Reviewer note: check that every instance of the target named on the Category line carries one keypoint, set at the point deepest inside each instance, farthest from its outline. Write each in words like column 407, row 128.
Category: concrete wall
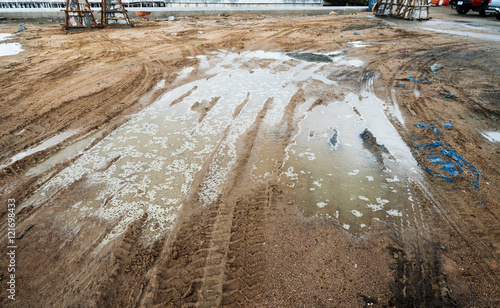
column 237, row 3
column 190, row 11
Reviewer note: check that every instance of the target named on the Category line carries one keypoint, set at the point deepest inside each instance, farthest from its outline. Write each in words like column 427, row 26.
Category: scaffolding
column 113, row 12
column 79, row 14
column 407, row 9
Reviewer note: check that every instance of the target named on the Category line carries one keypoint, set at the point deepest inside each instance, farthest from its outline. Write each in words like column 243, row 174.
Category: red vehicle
column 464, row 6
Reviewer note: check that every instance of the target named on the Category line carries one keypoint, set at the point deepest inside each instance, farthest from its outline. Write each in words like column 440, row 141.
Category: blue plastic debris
column 434, row 126
column 426, row 125
column 422, row 126
column 429, row 146
column 451, row 165
column 447, row 166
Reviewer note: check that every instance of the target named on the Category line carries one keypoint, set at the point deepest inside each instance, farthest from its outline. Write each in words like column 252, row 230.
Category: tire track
column 195, row 270
column 246, row 265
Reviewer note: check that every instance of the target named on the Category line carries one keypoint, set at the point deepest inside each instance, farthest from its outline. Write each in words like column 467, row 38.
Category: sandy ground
column 251, row 245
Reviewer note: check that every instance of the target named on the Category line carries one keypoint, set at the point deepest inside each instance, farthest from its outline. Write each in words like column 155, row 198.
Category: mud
column 232, row 165
column 310, row 57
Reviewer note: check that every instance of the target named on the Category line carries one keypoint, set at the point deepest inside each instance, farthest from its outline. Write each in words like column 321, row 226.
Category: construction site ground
column 224, row 161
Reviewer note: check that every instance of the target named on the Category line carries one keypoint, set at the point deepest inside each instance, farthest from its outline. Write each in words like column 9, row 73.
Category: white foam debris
column 356, row 213
column 380, row 204
column 160, row 85
column 363, row 198
column 308, row 155
column 375, row 207
column 392, row 180
column 317, row 184
column 370, row 178
column 321, row 204
column 346, row 226
column 362, row 225
column 393, row 212
column 291, row 175
column 353, row 172
column 382, row 201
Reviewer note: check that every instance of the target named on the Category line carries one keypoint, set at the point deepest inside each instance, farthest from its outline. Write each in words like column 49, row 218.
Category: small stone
column 171, row 18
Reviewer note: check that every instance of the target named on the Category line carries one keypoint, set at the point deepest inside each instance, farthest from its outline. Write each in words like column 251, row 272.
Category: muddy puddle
column 8, row 49
column 492, row 136
column 44, row 145
column 333, row 171
column 66, row 153
column 187, row 142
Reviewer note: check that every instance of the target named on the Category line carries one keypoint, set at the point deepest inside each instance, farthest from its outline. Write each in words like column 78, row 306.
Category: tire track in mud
column 217, row 257
column 246, row 261
column 246, row 270
column 109, row 45
column 193, row 273
column 474, row 227
column 419, row 279
column 212, row 287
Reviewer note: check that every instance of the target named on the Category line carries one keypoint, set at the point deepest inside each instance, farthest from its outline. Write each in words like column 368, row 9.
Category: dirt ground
column 253, row 247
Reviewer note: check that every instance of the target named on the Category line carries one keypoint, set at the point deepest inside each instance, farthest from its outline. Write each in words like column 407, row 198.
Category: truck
column 494, row 8
column 464, row 6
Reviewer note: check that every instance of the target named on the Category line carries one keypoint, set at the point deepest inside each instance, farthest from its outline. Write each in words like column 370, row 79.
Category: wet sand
column 252, row 161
